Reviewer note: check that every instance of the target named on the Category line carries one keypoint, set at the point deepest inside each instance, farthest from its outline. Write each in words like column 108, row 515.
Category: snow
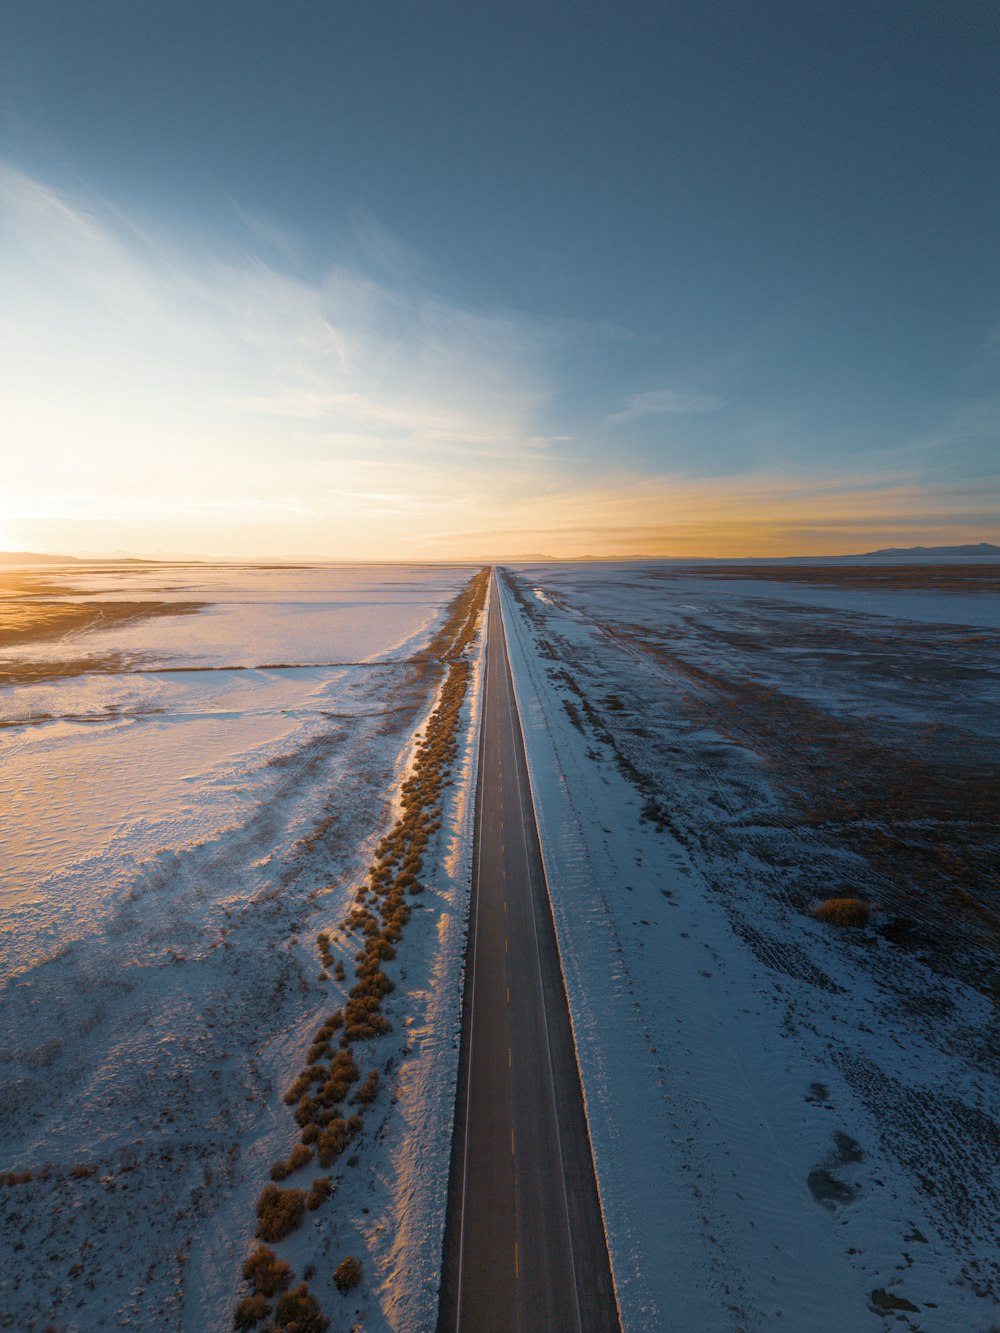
column 264, row 615
column 176, row 840
column 791, row 1126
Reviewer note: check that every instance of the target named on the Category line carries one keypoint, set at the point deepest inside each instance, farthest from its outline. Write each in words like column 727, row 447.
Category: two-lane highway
column 524, row 1243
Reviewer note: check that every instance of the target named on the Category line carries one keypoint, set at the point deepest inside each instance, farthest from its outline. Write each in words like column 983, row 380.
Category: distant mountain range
column 978, row 548
column 33, row 558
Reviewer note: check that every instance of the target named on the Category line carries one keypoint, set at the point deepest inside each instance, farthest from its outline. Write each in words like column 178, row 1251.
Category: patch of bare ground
column 982, row 577
column 30, row 620
column 34, row 611
column 920, row 810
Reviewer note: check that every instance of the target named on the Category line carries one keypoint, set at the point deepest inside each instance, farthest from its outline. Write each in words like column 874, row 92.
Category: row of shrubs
column 46, row 1173
column 321, row 1092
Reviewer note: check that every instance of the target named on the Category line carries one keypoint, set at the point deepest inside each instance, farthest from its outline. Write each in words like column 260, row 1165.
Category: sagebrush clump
column 347, row 1274
column 843, row 912
column 266, row 1272
column 250, row 1311
column 299, row 1310
column 279, row 1212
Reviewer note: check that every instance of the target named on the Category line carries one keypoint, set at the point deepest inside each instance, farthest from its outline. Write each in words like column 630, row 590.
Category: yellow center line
column 516, row 1271
column 512, row 1141
column 508, row 995
column 510, row 1059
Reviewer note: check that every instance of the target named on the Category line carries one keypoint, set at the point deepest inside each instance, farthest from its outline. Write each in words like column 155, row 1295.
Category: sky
column 361, row 279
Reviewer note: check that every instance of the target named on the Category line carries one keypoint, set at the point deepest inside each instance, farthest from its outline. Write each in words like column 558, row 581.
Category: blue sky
column 337, row 279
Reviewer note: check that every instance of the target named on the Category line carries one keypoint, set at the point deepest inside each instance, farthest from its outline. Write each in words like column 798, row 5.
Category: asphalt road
column 524, row 1241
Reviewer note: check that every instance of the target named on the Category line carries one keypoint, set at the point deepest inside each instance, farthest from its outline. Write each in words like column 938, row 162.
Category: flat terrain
column 525, row 1246
column 189, row 796
column 788, row 1118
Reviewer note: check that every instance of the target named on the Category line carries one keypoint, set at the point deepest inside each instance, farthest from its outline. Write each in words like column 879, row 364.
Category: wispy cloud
column 666, row 401
column 114, row 313
column 162, row 395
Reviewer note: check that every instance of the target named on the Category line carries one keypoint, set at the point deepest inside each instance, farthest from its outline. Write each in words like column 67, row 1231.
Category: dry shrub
column 322, row 1188
column 332, row 1142
column 82, row 1172
column 369, row 1089
column 296, row 1089
column 266, row 1271
column 307, row 1110
column 298, row 1157
column 843, row 912
column 298, row 1310
column 295, row 1160
column 279, row 1212
column 250, row 1311
column 347, row 1274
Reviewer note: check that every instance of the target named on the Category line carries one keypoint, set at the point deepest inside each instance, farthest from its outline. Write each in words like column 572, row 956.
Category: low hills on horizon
column 971, row 550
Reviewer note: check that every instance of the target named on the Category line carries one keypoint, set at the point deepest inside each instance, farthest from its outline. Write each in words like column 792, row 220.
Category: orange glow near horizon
column 772, row 517
column 168, row 405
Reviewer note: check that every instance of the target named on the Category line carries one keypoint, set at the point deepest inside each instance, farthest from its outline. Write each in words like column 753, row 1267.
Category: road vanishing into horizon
column 524, row 1250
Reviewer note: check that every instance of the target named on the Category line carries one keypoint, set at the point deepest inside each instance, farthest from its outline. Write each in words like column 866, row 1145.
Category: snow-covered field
column 187, row 800
column 794, row 1125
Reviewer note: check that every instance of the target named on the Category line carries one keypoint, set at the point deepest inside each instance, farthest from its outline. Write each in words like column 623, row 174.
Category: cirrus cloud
column 666, row 401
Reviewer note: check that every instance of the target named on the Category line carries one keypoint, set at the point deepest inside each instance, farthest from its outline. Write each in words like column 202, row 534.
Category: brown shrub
column 298, row 1310
column 347, row 1274
column 296, row 1090
column 322, row 1188
column 279, row 1212
column 307, row 1109
column 250, row 1311
column 843, row 912
column 296, row 1159
column 266, row 1271
column 82, row 1172
column 332, row 1142
column 369, row 1089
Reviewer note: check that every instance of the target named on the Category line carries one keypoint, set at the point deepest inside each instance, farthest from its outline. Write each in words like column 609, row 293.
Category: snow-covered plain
column 794, row 1126
column 187, row 801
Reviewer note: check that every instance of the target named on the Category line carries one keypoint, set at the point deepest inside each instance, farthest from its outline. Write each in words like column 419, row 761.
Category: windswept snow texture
column 173, row 840
column 794, row 1125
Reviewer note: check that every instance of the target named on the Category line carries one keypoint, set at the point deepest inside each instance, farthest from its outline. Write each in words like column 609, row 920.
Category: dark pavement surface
column 524, row 1240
